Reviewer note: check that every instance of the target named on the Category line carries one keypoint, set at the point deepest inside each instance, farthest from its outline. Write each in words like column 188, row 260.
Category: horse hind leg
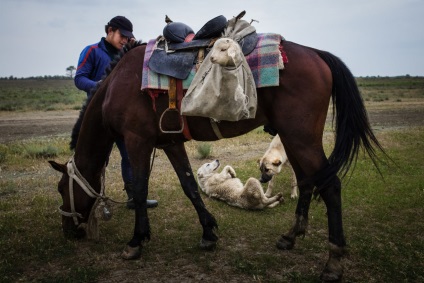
column 177, row 155
column 288, row 240
column 331, row 194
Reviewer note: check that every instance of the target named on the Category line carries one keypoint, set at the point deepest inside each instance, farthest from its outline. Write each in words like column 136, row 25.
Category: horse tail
column 109, row 69
column 352, row 127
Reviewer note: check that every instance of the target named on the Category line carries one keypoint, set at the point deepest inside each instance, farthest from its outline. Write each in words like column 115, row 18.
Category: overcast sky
column 373, row 37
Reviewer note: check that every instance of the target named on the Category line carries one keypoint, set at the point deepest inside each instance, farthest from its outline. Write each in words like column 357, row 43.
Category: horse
column 296, row 109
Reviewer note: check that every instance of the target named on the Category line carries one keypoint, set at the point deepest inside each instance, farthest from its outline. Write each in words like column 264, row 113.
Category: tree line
column 70, row 72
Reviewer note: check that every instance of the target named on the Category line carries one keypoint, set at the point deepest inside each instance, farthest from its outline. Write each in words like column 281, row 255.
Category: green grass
column 382, row 217
column 44, row 95
column 391, row 89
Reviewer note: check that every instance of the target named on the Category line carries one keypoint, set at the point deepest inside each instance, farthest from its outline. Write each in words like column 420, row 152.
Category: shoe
column 151, row 203
column 130, row 203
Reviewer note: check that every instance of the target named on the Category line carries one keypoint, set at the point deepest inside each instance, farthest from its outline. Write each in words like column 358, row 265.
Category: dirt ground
column 24, row 125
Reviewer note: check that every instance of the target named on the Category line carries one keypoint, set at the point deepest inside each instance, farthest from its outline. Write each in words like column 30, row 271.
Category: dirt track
column 25, row 125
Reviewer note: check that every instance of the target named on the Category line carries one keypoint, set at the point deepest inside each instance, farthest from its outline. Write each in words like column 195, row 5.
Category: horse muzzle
column 71, row 231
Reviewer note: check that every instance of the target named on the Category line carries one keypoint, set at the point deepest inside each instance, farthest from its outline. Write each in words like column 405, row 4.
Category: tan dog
column 271, row 164
column 226, row 187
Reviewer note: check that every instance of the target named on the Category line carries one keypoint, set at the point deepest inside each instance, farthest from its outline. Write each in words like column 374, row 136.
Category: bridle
column 101, row 206
column 101, row 199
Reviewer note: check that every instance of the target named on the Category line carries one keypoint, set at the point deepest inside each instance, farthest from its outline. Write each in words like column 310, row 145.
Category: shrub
column 204, row 150
column 37, row 151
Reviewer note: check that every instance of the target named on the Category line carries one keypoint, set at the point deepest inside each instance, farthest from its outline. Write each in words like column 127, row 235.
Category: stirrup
column 171, row 132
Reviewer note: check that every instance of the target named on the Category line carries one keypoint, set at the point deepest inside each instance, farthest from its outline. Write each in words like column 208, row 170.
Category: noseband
column 101, row 199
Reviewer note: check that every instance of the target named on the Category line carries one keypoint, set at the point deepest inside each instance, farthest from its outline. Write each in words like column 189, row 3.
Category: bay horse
column 296, row 110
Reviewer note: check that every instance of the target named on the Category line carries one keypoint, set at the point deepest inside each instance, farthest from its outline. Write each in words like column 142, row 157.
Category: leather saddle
column 176, row 54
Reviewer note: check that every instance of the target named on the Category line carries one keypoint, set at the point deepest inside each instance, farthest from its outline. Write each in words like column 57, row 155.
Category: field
column 382, row 216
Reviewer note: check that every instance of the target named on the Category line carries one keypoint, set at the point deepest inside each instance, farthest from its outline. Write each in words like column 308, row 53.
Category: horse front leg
column 331, row 195
column 177, row 155
column 140, row 163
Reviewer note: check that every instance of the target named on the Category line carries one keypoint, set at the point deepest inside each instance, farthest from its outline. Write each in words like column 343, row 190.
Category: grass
column 382, row 217
column 45, row 95
column 391, row 89
column 382, row 228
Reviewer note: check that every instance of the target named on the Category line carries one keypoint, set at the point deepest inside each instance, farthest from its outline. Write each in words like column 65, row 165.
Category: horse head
column 76, row 202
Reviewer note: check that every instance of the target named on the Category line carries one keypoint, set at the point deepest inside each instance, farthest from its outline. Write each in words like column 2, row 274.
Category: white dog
column 226, row 187
column 271, row 164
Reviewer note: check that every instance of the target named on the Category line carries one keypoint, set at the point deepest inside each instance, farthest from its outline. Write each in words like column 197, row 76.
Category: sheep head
column 226, row 52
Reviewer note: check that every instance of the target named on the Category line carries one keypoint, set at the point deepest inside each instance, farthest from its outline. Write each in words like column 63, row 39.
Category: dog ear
column 276, row 162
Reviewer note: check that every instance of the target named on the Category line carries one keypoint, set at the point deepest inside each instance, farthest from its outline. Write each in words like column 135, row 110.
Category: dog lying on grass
column 271, row 164
column 227, row 187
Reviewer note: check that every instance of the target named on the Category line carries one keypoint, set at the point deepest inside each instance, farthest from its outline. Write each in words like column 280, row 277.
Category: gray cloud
column 373, row 37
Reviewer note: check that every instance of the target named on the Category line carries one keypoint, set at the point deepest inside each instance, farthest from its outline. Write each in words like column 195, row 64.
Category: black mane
column 77, row 126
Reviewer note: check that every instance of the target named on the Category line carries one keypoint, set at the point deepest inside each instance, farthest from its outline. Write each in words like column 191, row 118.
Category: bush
column 204, row 150
column 37, row 151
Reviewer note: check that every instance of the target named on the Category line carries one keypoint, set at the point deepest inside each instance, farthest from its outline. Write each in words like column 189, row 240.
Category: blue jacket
column 92, row 63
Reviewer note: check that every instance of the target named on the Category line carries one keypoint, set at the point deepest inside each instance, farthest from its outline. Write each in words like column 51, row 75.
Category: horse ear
column 58, row 167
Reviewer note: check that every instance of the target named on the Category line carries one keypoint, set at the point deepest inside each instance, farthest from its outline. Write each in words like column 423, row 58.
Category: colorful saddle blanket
column 265, row 61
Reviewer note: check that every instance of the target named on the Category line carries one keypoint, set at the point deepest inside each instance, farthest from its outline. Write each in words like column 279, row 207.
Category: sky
column 373, row 37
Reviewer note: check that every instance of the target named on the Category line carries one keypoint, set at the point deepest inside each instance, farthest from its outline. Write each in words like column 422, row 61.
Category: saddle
column 176, row 52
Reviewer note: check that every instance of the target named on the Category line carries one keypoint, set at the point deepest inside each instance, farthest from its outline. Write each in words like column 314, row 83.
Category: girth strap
column 215, row 129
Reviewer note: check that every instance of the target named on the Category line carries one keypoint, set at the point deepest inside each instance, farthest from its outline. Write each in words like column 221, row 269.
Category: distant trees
column 70, row 71
column 56, row 77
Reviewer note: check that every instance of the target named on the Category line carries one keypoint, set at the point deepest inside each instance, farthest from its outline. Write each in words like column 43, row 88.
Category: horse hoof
column 207, row 245
column 131, row 253
column 285, row 243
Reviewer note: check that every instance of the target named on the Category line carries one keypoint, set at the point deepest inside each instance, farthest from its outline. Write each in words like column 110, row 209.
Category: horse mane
column 109, row 69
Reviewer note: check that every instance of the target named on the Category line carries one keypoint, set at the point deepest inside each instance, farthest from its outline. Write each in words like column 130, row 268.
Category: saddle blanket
column 265, row 61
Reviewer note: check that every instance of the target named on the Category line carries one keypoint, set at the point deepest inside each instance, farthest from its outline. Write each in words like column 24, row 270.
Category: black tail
column 352, row 127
